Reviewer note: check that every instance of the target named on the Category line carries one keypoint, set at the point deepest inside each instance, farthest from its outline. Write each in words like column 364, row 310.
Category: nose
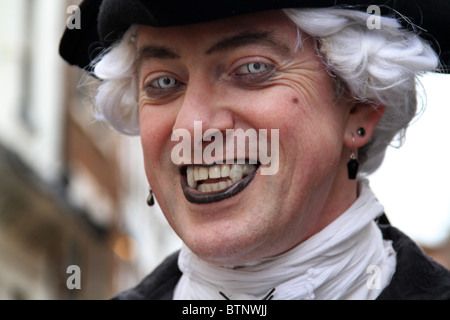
column 204, row 104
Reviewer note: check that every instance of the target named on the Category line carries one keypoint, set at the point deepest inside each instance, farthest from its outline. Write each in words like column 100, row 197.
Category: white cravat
column 332, row 264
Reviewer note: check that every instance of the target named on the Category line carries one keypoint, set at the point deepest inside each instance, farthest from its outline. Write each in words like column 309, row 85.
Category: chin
column 227, row 245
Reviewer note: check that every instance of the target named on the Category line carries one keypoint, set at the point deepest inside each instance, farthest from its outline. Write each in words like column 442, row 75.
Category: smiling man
column 327, row 93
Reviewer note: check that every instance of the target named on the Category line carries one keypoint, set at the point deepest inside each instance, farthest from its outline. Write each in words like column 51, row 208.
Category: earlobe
column 362, row 121
column 361, row 132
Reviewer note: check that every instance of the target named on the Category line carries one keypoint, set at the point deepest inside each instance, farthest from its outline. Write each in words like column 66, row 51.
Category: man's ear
column 362, row 115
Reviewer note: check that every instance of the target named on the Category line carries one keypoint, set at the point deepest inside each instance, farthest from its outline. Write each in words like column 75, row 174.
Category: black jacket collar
column 417, row 277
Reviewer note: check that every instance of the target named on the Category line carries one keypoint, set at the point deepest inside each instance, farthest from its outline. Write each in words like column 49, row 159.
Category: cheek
column 310, row 129
column 155, row 132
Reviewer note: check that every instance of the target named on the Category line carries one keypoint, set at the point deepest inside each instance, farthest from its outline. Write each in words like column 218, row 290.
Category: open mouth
column 212, row 183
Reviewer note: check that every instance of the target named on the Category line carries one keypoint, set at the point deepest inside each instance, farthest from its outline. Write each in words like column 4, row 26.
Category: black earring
column 353, row 164
column 150, row 198
column 361, row 132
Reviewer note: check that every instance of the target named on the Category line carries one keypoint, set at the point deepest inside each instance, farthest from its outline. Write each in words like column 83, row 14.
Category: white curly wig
column 380, row 66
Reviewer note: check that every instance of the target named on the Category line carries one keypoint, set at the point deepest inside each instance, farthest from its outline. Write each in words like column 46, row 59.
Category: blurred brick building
column 72, row 191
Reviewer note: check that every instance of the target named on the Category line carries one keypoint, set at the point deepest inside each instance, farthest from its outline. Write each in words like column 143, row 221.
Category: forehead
column 203, row 34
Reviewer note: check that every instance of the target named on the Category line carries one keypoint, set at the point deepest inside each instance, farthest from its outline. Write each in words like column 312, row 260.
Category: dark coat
column 417, row 277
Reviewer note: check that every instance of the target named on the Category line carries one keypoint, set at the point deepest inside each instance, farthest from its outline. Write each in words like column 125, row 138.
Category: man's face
column 241, row 73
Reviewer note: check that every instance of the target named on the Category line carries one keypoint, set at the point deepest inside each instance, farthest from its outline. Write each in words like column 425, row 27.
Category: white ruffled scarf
column 346, row 260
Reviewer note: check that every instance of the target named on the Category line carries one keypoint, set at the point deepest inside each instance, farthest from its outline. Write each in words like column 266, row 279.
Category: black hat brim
column 103, row 22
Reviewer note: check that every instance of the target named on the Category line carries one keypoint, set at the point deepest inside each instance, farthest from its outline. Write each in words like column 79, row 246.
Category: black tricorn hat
column 103, row 22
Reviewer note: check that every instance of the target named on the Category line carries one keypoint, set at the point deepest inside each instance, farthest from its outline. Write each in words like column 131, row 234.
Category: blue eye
column 164, row 83
column 253, row 68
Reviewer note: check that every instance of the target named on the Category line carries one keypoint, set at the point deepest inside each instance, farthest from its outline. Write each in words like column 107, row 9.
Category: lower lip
column 197, row 197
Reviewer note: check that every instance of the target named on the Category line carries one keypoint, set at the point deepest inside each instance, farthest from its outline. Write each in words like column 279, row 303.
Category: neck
column 342, row 194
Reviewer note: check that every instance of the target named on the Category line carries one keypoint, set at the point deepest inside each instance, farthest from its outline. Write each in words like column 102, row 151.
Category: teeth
column 200, row 173
column 214, row 187
column 206, row 187
column 225, row 171
column 214, row 172
column 235, row 172
column 190, row 177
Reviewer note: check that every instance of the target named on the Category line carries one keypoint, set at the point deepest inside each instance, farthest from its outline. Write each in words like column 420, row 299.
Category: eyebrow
column 241, row 39
column 155, row 52
column 247, row 38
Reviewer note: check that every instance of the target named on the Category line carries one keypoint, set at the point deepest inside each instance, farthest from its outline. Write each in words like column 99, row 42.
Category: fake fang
column 217, row 177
